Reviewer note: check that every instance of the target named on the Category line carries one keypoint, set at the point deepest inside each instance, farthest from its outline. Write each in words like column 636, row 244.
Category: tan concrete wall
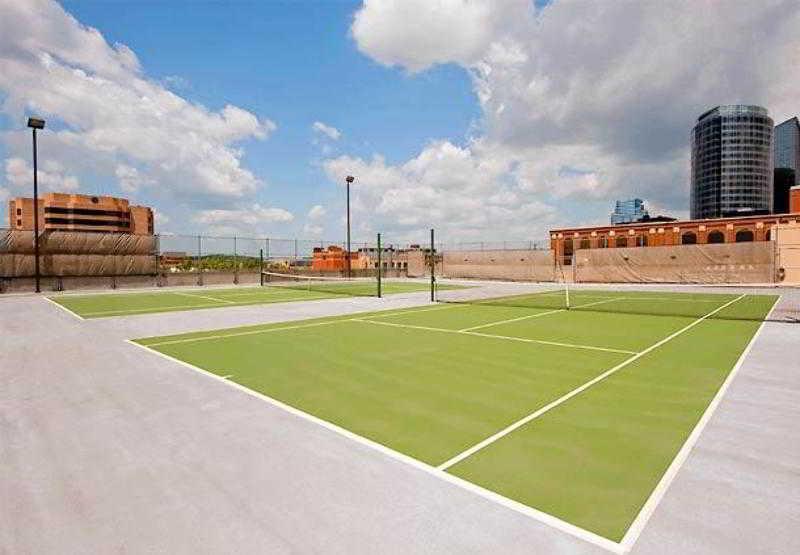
column 512, row 265
column 787, row 246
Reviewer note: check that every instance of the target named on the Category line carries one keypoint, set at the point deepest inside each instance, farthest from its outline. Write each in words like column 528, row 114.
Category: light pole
column 34, row 124
column 349, row 179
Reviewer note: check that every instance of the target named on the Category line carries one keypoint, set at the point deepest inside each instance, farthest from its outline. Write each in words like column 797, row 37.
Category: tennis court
column 277, row 288
column 577, row 413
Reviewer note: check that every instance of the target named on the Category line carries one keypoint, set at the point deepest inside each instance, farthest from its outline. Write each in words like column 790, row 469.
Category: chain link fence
column 80, row 260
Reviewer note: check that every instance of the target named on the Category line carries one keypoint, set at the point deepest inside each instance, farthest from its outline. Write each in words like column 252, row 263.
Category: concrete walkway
column 105, row 448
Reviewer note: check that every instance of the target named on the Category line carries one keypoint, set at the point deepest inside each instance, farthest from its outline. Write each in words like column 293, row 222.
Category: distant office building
column 787, row 145
column 732, row 164
column 68, row 212
column 783, row 183
column 628, row 211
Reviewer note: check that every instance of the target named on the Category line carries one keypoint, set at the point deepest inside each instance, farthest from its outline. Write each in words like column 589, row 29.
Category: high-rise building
column 628, row 211
column 787, row 145
column 71, row 212
column 732, row 167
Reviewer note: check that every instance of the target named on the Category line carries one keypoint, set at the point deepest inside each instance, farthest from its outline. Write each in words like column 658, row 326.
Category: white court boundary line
column 634, row 530
column 535, row 514
column 176, row 308
column 64, row 308
column 505, row 337
column 241, row 333
column 580, row 389
column 649, row 507
column 511, row 320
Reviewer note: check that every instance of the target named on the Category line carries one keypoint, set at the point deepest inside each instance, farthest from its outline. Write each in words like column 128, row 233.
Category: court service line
column 505, row 337
column 638, row 524
column 529, row 316
column 192, row 295
column 580, row 389
column 508, row 503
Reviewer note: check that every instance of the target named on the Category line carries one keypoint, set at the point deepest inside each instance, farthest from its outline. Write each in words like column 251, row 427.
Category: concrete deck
column 104, row 447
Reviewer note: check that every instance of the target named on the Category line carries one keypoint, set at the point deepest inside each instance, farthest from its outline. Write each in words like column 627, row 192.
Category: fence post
column 380, row 266
column 266, row 244
column 261, row 265
column 433, row 268
column 199, row 260
column 235, row 263
column 158, row 260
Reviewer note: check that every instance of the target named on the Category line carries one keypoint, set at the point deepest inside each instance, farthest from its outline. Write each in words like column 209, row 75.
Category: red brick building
column 70, row 212
column 566, row 241
column 333, row 259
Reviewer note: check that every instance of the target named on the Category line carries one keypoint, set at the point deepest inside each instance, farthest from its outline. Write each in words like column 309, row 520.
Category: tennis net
column 756, row 305
column 354, row 287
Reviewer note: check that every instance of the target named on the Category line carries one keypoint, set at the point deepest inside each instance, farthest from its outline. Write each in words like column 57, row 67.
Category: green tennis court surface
column 127, row 304
column 577, row 413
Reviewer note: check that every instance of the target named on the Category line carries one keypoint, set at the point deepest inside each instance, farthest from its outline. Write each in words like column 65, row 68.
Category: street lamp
column 349, row 180
column 34, row 124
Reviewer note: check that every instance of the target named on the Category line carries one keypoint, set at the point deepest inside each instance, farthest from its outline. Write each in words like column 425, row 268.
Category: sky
column 493, row 120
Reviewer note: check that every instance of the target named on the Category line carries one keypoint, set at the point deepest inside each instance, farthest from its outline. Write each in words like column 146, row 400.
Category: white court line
column 638, row 524
column 402, row 312
column 241, row 333
column 130, row 311
column 504, row 337
column 516, row 506
column 510, row 320
column 64, row 308
column 192, row 295
column 229, row 376
column 536, row 414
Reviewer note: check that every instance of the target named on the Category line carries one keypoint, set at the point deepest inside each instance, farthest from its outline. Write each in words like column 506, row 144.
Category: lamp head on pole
column 350, row 179
column 36, row 123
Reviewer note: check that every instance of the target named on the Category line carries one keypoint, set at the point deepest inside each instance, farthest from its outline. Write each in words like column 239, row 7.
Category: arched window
column 688, row 238
column 744, row 236
column 622, row 242
column 769, row 235
column 585, row 244
column 716, row 237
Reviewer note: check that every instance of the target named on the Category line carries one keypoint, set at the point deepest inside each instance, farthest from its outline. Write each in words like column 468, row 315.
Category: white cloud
column 248, row 222
column 316, row 213
column 130, row 179
column 462, row 192
column 416, row 34
column 51, row 177
column 111, row 113
column 580, row 100
column 159, row 218
column 327, row 130
column 314, row 221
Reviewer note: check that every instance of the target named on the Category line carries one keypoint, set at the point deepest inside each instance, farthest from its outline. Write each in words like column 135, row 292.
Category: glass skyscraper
column 628, row 211
column 787, row 145
column 732, row 170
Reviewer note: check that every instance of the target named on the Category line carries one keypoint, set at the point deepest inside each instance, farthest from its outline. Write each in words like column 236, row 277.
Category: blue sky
column 484, row 119
column 295, row 64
